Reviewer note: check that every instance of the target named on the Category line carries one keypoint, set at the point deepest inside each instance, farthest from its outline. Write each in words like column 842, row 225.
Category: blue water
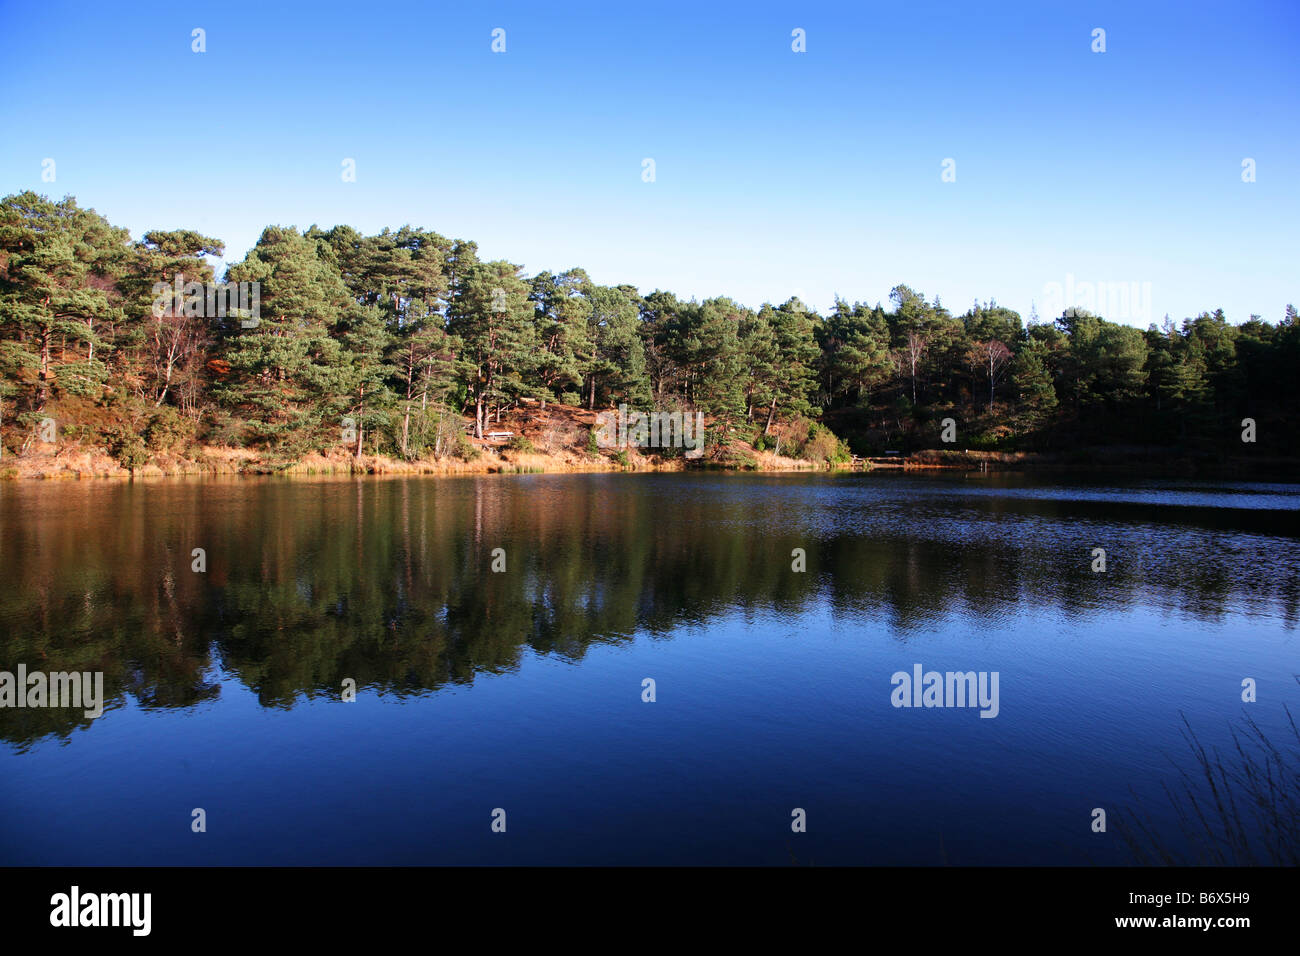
column 523, row 690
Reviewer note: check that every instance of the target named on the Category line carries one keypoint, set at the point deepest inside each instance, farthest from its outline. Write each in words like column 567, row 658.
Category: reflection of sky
column 1254, row 496
column 756, row 713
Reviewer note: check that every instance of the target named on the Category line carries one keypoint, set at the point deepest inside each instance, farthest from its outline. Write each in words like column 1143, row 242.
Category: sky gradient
column 777, row 173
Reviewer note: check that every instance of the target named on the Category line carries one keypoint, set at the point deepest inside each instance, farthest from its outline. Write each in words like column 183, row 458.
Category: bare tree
column 914, row 349
column 174, row 338
column 992, row 358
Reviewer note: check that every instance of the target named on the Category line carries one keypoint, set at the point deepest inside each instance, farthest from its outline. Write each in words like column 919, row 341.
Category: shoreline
column 241, row 463
column 217, row 462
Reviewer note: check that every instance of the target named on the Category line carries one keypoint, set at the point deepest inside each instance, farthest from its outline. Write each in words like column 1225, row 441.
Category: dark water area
column 522, row 689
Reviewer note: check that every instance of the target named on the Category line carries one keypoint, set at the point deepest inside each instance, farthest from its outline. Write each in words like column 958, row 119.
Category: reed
column 1239, row 808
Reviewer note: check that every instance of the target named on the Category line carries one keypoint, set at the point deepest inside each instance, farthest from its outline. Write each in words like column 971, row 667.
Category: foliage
column 823, row 447
column 463, row 448
column 127, row 447
column 384, row 343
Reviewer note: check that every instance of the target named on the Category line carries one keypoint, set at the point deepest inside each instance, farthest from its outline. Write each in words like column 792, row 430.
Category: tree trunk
column 410, row 386
column 167, row 383
column 43, row 390
column 361, row 421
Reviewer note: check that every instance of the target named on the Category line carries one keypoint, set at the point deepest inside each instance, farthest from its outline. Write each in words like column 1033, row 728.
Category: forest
column 420, row 344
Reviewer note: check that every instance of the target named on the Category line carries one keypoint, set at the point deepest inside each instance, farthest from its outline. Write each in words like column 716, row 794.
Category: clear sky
column 776, row 173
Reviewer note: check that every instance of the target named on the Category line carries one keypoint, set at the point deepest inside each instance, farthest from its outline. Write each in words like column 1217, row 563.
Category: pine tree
column 57, row 286
column 563, row 322
column 491, row 316
column 1031, row 379
column 618, row 355
column 290, row 380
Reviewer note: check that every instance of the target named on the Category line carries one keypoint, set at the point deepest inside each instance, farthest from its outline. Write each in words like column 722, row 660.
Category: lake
column 524, row 689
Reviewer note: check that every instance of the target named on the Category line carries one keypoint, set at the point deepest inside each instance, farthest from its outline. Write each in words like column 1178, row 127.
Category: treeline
column 404, row 332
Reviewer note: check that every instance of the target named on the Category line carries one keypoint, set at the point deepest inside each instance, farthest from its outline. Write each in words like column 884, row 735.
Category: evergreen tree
column 492, row 317
column 57, row 287
column 290, row 381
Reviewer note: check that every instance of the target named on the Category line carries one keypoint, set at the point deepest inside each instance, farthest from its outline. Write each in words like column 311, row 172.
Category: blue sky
column 777, row 173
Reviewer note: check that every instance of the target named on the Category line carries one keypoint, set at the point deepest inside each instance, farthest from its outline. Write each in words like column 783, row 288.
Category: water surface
column 522, row 689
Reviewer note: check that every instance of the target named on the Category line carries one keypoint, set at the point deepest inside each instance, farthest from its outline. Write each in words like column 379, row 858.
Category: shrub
column 127, row 447
column 226, row 429
column 593, row 444
column 168, row 430
column 521, row 444
column 823, row 446
column 570, row 398
column 559, row 437
column 465, row 449
column 716, row 438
